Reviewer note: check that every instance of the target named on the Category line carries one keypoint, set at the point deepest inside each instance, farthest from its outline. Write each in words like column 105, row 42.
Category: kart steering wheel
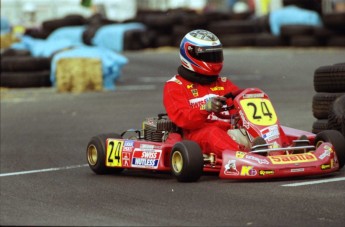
column 229, row 95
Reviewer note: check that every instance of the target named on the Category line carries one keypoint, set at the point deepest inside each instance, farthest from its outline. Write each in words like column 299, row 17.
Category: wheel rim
column 319, row 143
column 92, row 155
column 177, row 161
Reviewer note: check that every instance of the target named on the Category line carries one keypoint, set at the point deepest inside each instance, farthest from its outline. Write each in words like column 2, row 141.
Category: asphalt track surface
column 44, row 179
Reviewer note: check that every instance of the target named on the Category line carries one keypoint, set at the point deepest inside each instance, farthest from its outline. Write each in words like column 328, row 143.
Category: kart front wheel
column 186, row 161
column 96, row 154
column 337, row 140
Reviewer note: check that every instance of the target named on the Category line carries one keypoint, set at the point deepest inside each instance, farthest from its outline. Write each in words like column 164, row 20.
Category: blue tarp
column 72, row 33
column 5, row 26
column 108, row 36
column 294, row 16
column 60, row 39
column 42, row 47
column 111, row 36
column 112, row 63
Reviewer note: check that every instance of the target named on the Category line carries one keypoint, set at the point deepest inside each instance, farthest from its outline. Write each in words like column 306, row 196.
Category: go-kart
column 269, row 149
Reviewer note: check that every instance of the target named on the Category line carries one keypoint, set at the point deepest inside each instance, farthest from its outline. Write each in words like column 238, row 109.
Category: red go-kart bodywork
column 281, row 152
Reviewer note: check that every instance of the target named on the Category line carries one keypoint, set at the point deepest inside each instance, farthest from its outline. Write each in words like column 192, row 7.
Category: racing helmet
column 202, row 52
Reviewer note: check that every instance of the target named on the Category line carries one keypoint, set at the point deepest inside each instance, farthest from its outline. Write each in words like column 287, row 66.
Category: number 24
column 264, row 110
column 116, row 150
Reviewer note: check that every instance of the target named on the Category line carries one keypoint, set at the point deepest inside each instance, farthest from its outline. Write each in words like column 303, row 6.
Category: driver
column 194, row 96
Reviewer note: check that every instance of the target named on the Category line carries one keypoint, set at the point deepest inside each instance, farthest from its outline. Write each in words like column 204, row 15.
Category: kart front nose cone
column 92, row 155
column 177, row 161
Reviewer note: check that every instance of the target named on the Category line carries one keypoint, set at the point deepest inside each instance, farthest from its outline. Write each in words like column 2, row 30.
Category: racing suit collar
column 195, row 77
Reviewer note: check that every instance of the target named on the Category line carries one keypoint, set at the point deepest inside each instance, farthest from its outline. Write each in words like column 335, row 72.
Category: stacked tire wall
column 329, row 101
column 167, row 28
column 235, row 30
column 20, row 70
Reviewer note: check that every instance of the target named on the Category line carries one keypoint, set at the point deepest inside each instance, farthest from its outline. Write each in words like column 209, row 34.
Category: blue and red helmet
column 202, row 52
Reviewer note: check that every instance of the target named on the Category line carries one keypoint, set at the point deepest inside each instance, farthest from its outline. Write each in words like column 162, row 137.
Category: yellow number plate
column 114, row 153
column 259, row 111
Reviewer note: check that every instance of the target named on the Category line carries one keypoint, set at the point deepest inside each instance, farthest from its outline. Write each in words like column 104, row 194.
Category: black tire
column 75, row 19
column 304, row 41
column 330, row 78
column 216, row 16
column 238, row 40
column 335, row 20
column 138, row 39
column 163, row 40
column 96, row 154
column 320, row 126
column 336, row 41
column 159, row 20
column 264, row 24
column 268, row 40
column 179, row 31
column 14, row 53
column 25, row 79
column 99, row 19
column 296, row 30
column 90, row 32
column 193, row 20
column 37, row 33
column 322, row 32
column 69, row 20
column 51, row 25
column 322, row 103
column 314, row 5
column 186, row 160
column 229, row 27
column 24, row 64
column 336, row 117
column 338, row 142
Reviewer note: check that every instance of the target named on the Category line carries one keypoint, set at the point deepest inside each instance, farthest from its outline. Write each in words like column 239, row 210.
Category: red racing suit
column 185, row 101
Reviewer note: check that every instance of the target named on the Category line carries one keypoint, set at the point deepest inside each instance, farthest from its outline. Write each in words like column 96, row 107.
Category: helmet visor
column 207, row 54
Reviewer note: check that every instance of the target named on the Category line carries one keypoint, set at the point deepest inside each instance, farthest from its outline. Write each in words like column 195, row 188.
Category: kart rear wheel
column 337, row 140
column 96, row 154
column 186, row 161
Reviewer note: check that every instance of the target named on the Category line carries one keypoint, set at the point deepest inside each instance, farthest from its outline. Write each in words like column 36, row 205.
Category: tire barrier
column 269, row 40
column 69, row 20
column 329, row 101
column 48, row 26
column 9, row 52
column 239, row 30
column 167, row 28
column 330, row 78
column 233, row 30
column 322, row 103
column 25, row 79
column 24, row 64
column 20, row 70
column 313, row 5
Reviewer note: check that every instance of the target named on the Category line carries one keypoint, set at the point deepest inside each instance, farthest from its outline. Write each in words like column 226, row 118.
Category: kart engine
column 156, row 128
